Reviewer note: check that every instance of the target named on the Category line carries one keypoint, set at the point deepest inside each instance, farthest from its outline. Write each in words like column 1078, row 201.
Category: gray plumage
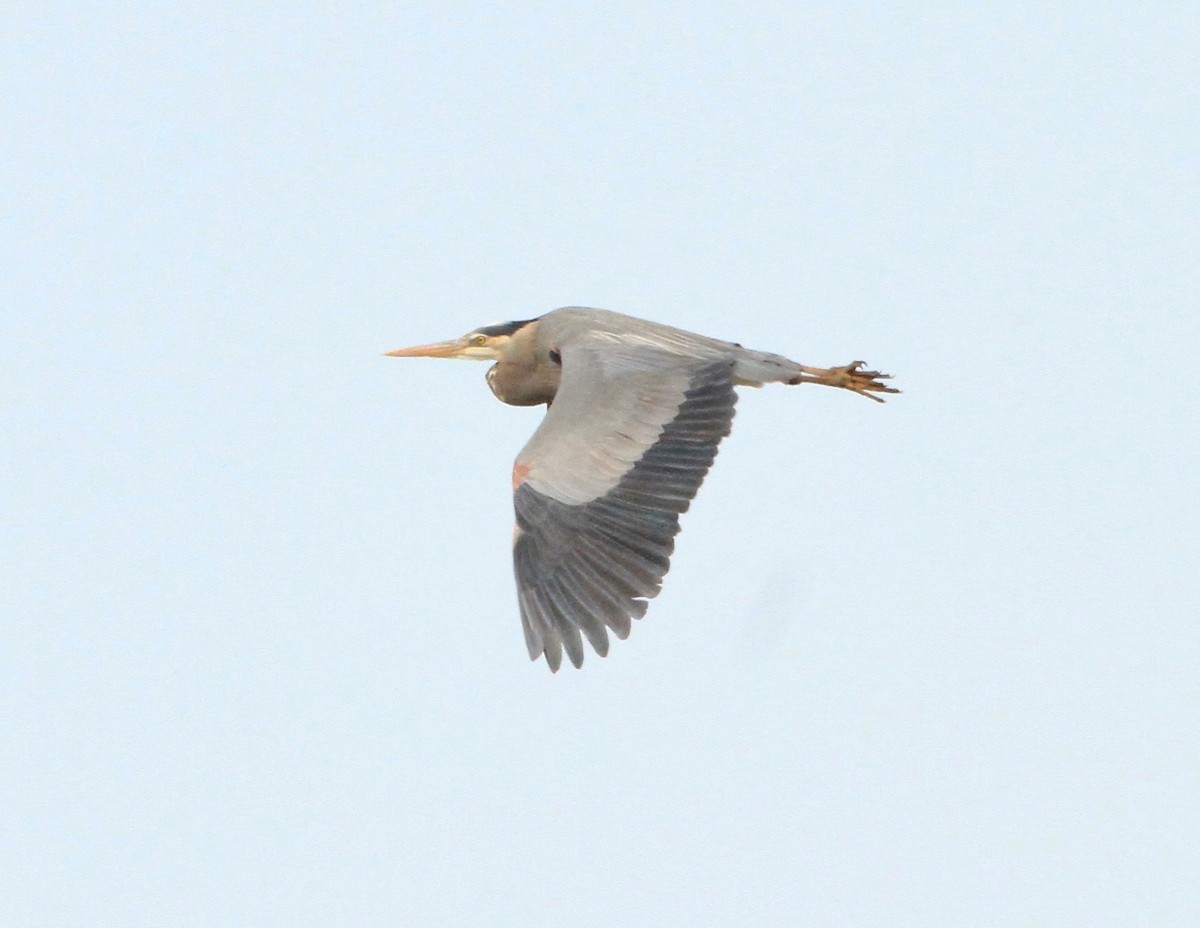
column 585, row 566
column 636, row 412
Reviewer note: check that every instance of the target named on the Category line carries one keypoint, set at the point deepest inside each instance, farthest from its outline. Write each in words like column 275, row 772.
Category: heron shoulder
column 606, row 330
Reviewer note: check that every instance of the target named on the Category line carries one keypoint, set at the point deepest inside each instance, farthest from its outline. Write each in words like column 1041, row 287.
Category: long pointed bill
column 452, row 349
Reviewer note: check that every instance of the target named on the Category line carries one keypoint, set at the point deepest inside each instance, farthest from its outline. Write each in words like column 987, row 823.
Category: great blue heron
column 635, row 413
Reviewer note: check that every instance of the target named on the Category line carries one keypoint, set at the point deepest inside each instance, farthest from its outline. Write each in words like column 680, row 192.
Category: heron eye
column 479, row 341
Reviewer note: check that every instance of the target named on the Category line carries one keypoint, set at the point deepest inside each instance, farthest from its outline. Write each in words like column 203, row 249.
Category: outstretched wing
column 600, row 486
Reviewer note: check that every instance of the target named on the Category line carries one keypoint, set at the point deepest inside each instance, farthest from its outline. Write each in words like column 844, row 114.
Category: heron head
column 489, row 343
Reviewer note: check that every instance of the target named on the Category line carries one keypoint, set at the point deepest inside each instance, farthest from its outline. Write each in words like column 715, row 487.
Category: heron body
column 636, row 411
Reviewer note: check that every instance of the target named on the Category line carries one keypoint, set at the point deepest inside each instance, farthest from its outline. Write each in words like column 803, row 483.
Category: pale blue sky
column 926, row 664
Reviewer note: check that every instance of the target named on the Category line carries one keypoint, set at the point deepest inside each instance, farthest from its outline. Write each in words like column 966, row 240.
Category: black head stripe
column 503, row 328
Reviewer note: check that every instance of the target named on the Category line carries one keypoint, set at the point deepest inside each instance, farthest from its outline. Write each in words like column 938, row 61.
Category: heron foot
column 848, row 377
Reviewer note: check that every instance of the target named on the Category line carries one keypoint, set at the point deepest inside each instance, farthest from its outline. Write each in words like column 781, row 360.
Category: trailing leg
column 850, row 377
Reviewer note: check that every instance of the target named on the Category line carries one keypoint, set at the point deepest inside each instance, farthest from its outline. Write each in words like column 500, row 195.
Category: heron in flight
column 635, row 411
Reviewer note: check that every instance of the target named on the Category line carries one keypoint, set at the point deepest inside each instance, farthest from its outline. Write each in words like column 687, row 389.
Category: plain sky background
column 933, row 663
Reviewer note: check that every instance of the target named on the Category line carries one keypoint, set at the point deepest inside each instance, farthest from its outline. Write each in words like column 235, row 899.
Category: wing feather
column 603, row 599
column 584, row 612
column 618, row 458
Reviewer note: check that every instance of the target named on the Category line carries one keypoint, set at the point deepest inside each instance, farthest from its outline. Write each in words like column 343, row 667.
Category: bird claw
column 864, row 383
column 849, row 377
